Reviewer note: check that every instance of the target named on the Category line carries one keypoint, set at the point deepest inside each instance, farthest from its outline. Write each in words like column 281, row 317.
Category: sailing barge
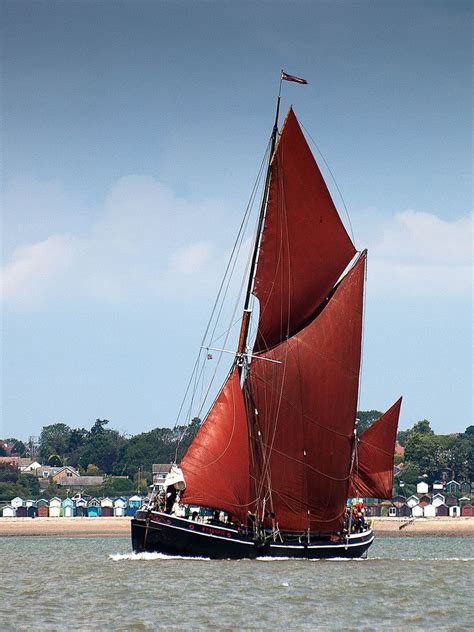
column 279, row 450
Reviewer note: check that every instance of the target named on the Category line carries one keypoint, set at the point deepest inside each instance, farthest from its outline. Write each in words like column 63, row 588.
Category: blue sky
column 132, row 133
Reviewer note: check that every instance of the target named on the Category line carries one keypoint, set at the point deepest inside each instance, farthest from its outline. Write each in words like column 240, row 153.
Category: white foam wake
column 145, row 556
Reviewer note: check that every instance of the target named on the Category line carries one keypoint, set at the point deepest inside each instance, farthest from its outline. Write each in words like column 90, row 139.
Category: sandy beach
column 116, row 527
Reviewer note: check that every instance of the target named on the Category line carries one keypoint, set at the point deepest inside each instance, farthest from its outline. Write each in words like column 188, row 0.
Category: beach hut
column 134, row 504
column 67, row 508
column 465, row 487
column 422, row 487
column 451, row 500
column 404, row 511
column 429, row 511
column 120, row 504
column 81, row 507
column 454, row 511
column 438, row 499
column 442, row 511
column 467, row 511
column 107, row 507
column 17, row 502
column 22, row 512
column 32, row 511
column 453, row 487
column 425, row 499
column 55, row 507
column 9, row 511
column 438, row 486
column 94, row 508
column 417, row 511
column 412, row 501
column 42, row 508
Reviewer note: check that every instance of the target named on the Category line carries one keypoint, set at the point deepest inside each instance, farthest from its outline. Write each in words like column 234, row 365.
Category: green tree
column 366, row 418
column 102, row 447
column 423, row 427
column 19, row 448
column 54, row 439
column 55, row 460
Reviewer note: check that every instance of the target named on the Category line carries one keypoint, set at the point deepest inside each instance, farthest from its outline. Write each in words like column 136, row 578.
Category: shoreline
column 120, row 527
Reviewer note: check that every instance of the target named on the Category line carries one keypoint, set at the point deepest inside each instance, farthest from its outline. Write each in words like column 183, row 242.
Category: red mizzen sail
column 372, row 476
column 305, row 410
column 304, row 247
column 216, row 465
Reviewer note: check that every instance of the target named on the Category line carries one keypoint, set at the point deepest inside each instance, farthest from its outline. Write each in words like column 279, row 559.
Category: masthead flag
column 286, row 77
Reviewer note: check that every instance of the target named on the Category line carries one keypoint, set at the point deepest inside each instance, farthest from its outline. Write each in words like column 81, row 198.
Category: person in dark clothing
column 170, row 499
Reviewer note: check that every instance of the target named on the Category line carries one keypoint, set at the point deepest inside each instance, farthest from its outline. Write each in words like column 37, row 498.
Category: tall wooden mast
column 244, row 329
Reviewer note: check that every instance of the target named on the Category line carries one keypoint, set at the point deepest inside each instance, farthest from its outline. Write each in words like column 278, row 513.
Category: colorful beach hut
column 467, row 510
column 42, row 508
column 67, row 508
column 107, row 507
column 134, row 504
column 81, row 507
column 32, row 510
column 55, row 507
column 120, row 504
column 94, row 508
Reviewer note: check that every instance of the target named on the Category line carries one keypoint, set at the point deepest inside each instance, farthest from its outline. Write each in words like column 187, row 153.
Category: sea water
column 50, row 583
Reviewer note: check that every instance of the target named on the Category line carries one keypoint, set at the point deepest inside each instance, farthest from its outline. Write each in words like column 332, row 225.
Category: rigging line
column 333, row 178
column 214, row 340
column 242, row 227
column 306, row 416
column 293, row 458
column 237, row 247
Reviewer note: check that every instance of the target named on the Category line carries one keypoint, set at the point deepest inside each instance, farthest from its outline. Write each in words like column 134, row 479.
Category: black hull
column 158, row 532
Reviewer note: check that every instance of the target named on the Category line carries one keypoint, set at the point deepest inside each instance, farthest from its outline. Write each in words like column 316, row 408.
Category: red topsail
column 304, row 247
column 372, row 476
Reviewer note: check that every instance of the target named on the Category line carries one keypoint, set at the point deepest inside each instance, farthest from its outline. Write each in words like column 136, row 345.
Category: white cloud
column 192, row 258
column 145, row 241
column 34, row 270
column 420, row 252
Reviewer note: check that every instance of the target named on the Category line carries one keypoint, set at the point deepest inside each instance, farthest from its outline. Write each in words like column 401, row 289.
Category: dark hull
column 158, row 532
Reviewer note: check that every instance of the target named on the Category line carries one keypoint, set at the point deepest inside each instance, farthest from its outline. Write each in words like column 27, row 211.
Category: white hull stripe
column 321, row 546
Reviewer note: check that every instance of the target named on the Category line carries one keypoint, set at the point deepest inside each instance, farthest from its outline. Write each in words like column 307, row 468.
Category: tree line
column 103, row 450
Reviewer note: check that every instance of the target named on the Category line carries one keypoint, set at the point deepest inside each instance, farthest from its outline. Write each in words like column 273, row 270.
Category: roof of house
column 81, row 481
column 399, row 449
column 161, row 468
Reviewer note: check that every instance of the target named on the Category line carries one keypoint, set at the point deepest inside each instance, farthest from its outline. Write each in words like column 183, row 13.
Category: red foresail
column 304, row 413
column 304, row 247
column 372, row 476
column 216, row 465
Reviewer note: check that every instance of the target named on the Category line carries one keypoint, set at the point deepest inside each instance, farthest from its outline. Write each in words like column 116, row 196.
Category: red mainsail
column 216, row 465
column 372, row 476
column 304, row 247
column 304, row 411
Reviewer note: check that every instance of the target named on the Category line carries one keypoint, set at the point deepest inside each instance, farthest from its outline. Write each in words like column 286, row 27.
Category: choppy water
column 87, row 583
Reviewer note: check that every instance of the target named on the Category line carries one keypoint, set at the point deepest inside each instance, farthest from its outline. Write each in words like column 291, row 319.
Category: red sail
column 305, row 410
column 372, row 476
column 216, row 465
column 304, row 248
